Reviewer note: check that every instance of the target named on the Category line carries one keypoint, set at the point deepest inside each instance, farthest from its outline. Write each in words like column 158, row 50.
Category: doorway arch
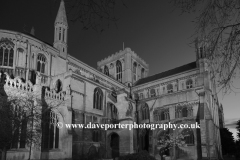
column 114, row 144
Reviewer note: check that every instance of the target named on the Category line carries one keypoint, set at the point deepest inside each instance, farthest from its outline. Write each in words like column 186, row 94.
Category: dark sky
column 151, row 28
column 156, row 32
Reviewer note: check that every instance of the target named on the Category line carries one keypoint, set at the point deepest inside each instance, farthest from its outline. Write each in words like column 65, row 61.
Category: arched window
column 21, row 57
column 188, row 136
column 50, row 130
column 153, row 92
column 106, row 70
column 170, row 88
column 41, row 63
column 142, row 73
column 112, row 112
column 58, row 86
column 189, row 83
column 134, row 71
column 6, row 52
column 96, row 135
column 97, row 99
column 162, row 115
column 60, row 32
column 155, row 115
column 145, row 112
column 119, row 71
column 184, row 112
column 63, row 35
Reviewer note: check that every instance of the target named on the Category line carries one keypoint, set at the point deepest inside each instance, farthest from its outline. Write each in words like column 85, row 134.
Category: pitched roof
column 177, row 70
column 61, row 15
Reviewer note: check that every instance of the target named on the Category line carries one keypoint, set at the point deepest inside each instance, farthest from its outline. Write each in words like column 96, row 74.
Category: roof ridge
column 167, row 73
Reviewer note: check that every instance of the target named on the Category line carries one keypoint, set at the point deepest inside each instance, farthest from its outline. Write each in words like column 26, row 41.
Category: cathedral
column 118, row 91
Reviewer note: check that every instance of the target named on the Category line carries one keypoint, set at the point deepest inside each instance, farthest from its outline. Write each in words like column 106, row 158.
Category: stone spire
column 61, row 15
column 61, row 31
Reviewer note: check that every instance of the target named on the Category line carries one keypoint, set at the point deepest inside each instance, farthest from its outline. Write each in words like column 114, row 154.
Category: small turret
column 60, row 33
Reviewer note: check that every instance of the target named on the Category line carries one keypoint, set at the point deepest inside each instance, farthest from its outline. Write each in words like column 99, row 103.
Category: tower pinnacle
column 61, row 15
column 60, row 33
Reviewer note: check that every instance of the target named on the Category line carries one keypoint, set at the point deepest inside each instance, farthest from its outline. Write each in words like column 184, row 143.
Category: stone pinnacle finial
column 61, row 15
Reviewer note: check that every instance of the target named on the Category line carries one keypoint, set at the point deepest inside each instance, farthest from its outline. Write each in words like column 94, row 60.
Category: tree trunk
column 161, row 152
column 4, row 151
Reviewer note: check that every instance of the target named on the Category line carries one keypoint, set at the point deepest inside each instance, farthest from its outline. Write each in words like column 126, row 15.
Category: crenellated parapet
column 112, row 57
column 139, row 59
column 18, row 84
column 120, row 54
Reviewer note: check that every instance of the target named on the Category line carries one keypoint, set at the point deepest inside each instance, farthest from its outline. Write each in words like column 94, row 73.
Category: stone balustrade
column 17, row 83
column 52, row 94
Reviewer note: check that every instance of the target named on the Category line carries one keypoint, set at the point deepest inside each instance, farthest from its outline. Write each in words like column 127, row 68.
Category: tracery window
column 106, row 70
column 112, row 113
column 160, row 115
column 6, row 52
column 169, row 88
column 184, row 112
column 119, row 71
column 188, row 136
column 145, row 112
column 21, row 57
column 98, row 98
column 134, row 71
column 189, row 83
column 96, row 135
column 41, row 63
column 50, row 130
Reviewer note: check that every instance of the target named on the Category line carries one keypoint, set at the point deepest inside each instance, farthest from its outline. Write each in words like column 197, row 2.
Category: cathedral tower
column 202, row 51
column 60, row 33
column 125, row 66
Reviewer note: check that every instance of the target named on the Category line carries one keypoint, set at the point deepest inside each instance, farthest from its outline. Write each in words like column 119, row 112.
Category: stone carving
column 111, row 65
column 38, row 78
column 44, row 46
column 68, row 91
column 129, row 112
column 19, row 36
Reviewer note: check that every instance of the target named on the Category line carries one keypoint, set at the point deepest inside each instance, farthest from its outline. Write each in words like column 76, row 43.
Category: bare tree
column 218, row 25
column 22, row 115
column 93, row 14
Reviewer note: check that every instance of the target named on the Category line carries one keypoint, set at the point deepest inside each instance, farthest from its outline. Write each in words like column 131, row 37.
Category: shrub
column 142, row 155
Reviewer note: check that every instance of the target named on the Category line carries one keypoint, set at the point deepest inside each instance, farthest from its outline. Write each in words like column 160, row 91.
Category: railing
column 20, row 72
column 52, row 94
column 18, row 84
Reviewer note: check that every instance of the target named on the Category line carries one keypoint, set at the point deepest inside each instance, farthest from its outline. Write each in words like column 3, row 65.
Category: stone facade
column 119, row 91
